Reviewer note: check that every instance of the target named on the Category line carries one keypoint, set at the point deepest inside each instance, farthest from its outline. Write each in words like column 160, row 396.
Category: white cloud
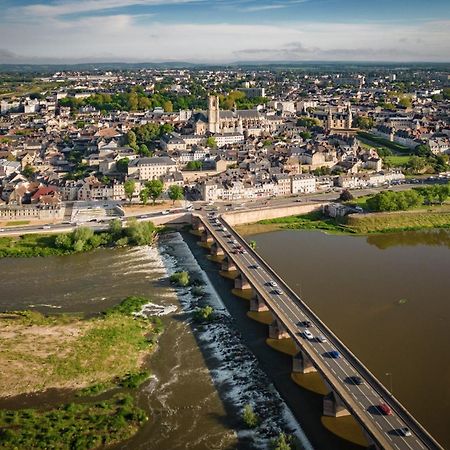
column 141, row 38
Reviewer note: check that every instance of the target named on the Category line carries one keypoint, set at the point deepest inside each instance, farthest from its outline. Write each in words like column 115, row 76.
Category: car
column 298, row 200
column 2, row 229
column 305, row 323
column 355, row 379
column 308, row 335
column 334, row 354
column 244, row 251
column 272, row 283
column 404, row 431
column 322, row 338
column 385, row 409
column 254, row 266
column 277, row 292
column 165, row 212
column 46, row 227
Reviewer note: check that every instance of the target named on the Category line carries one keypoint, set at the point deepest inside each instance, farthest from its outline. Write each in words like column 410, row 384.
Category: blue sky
column 224, row 30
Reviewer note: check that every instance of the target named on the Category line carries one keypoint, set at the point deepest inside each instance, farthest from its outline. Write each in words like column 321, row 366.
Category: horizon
column 220, row 32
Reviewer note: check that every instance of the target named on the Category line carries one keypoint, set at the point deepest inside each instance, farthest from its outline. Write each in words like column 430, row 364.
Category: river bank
column 356, row 224
column 84, row 356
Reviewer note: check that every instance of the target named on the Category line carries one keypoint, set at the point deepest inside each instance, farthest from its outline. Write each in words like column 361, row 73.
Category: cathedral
column 217, row 121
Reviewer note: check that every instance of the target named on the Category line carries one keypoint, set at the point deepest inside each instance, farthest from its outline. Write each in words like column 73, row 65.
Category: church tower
column 349, row 121
column 213, row 114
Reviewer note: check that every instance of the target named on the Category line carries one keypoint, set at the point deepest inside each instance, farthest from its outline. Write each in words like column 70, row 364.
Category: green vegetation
column 180, row 278
column 372, row 138
column 211, row 142
column 394, row 201
column 129, row 187
column 16, row 223
column 364, row 123
column 249, row 416
column 311, row 221
column 82, row 239
column 155, row 189
column 283, row 442
column 205, row 314
column 128, row 306
column 396, row 161
column 176, row 192
column 74, row 426
column 252, row 245
column 238, row 100
column 194, row 165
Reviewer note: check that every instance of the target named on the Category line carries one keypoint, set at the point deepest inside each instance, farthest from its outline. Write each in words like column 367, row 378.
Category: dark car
column 404, row 431
column 354, row 379
column 334, row 354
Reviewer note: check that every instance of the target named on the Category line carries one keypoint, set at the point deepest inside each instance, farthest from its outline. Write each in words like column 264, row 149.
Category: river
column 387, row 297
column 202, row 376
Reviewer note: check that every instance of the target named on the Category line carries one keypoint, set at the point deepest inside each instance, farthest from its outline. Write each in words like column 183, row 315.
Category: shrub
column 180, row 278
column 249, row 416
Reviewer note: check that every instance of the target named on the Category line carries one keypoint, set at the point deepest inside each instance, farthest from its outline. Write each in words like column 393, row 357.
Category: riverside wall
column 255, row 215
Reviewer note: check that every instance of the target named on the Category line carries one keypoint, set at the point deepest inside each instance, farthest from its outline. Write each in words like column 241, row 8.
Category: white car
column 165, row 212
column 308, row 335
column 322, row 338
column 273, row 284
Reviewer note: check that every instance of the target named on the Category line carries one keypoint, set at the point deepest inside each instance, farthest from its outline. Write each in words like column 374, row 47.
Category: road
column 362, row 399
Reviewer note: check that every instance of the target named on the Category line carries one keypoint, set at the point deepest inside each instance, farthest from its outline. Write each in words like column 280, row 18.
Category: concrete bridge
column 268, row 292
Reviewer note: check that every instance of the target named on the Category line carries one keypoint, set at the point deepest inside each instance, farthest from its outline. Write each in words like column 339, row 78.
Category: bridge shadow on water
column 306, row 405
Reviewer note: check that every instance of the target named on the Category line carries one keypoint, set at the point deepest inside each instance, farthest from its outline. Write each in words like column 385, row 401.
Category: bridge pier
column 241, row 282
column 206, row 237
column 277, row 330
column 216, row 249
column 333, row 406
column 228, row 265
column 257, row 304
column 197, row 224
column 301, row 363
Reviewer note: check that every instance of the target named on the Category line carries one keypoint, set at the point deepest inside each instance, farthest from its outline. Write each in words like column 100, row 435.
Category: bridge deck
column 361, row 400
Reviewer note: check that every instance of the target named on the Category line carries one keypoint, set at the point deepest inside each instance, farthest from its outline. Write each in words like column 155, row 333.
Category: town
column 217, row 134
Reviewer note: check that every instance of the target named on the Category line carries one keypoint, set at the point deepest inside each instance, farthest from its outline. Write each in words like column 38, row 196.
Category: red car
column 385, row 409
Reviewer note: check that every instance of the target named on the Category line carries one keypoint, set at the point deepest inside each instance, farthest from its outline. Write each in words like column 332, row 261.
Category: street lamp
column 389, row 374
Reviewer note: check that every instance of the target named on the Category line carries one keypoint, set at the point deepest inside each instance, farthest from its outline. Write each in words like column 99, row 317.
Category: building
column 303, row 183
column 151, row 168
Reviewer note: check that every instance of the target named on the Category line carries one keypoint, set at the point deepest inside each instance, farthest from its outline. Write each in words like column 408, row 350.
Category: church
column 245, row 121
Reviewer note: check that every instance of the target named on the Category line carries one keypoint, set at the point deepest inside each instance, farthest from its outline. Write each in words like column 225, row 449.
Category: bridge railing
column 401, row 411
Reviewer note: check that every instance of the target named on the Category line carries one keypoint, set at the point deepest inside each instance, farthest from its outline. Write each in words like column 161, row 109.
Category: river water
column 388, row 298
column 202, row 376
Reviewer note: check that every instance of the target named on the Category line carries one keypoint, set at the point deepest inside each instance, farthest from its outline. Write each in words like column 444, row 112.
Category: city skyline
column 216, row 31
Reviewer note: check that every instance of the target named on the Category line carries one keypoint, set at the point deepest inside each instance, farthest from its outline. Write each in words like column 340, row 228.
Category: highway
column 362, row 400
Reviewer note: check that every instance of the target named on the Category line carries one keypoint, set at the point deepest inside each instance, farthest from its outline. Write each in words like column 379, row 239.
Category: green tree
column 131, row 140
column 175, row 193
column 129, row 188
column 155, row 189
column 305, row 135
column 63, row 241
column 282, row 442
column 143, row 150
column 252, row 245
column 115, row 227
column 28, row 171
column 204, row 314
column 122, row 165
column 167, row 106
column 144, row 196
column 211, row 142
column 364, row 123
column 406, row 102
column 249, row 416
column 194, row 165
column 82, row 234
column 140, row 233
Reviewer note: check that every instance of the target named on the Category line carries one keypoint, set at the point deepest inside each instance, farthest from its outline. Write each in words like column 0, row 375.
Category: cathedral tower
column 213, row 114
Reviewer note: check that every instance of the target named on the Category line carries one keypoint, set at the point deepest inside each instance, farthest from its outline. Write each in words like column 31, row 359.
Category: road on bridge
column 363, row 399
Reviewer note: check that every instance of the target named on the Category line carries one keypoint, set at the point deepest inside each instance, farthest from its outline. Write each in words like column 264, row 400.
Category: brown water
column 201, row 378
column 388, row 298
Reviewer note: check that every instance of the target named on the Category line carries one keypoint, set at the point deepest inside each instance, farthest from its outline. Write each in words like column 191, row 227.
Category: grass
column 39, row 352
column 378, row 141
column 72, row 426
column 17, row 223
column 180, row 278
column 399, row 221
column 397, row 160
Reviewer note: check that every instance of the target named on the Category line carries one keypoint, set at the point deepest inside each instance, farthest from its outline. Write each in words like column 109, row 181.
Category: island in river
column 40, row 352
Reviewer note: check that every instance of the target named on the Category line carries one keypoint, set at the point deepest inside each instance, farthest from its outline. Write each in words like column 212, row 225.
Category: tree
column 305, row 135
column 131, row 140
column 211, row 142
column 140, row 233
column 405, row 102
column 175, row 193
column 63, row 241
column 143, row 150
column 364, row 123
column 249, row 416
column 346, row 195
column 282, row 442
column 122, row 165
column 204, row 314
column 129, row 188
column 115, row 227
column 155, row 189
column 28, row 171
column 194, row 165
column 252, row 245
column 167, row 106
column 144, row 196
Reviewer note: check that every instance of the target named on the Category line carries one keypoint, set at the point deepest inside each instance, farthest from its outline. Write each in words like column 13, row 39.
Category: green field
column 397, row 160
column 377, row 141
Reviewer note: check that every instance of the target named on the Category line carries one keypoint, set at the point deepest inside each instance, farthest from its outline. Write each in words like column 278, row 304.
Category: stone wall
column 241, row 217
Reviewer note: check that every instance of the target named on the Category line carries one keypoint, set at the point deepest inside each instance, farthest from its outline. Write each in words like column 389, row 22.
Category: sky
column 223, row 31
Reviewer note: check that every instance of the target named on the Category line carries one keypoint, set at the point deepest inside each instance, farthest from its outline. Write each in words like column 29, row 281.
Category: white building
column 303, row 183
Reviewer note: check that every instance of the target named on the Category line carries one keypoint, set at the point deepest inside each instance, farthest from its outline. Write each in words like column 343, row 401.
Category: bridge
column 352, row 388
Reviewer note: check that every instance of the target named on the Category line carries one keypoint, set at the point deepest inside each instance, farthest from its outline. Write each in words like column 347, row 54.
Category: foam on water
column 238, row 375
